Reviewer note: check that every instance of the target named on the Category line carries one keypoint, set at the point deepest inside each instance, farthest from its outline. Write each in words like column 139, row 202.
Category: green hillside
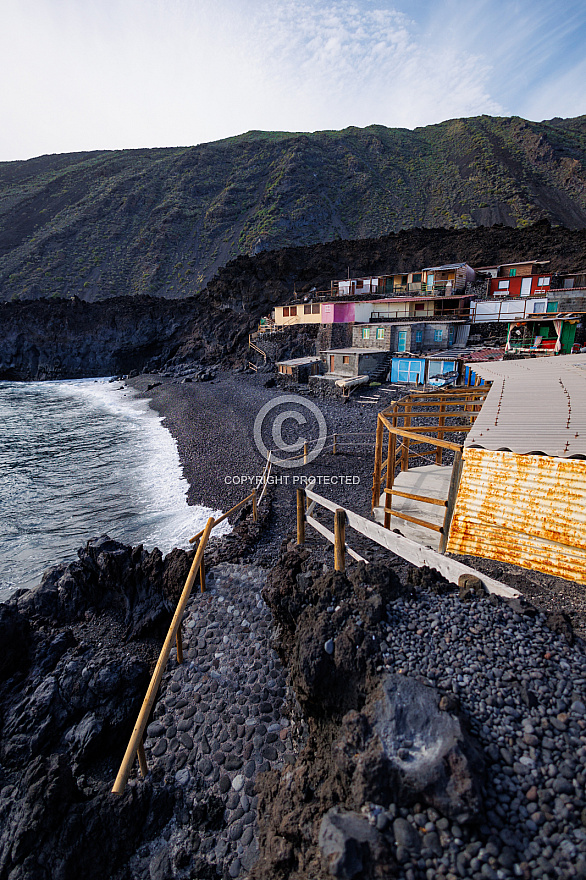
column 162, row 221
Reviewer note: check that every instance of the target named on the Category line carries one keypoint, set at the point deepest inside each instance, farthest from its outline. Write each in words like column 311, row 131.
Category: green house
column 555, row 334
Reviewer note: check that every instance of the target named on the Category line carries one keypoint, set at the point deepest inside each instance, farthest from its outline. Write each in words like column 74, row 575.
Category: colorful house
column 447, row 279
column 528, row 278
column 553, row 335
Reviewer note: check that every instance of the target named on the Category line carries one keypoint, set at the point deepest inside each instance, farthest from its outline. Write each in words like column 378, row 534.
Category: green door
column 567, row 337
column 402, row 344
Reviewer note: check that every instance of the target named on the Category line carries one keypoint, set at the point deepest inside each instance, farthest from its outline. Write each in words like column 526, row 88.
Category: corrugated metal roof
column 529, row 510
column 446, row 267
column 535, row 405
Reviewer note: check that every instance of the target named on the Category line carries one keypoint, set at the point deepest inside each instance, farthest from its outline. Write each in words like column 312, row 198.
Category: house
column 382, row 285
column 321, row 313
column 372, row 286
column 527, row 278
column 350, row 362
column 448, row 279
column 504, row 310
column 543, row 334
column 299, row 369
column 522, row 492
column 434, row 369
column 410, row 336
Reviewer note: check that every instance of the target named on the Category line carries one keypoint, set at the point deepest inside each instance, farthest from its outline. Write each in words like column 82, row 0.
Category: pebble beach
column 224, row 716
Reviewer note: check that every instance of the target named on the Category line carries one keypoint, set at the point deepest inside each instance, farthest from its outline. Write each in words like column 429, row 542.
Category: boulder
column 350, row 846
column 429, row 754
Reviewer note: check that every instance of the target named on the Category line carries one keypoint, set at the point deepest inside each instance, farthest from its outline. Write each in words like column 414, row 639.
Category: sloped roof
column 534, row 406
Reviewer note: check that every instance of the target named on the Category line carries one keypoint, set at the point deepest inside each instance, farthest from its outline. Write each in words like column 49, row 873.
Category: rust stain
column 529, row 510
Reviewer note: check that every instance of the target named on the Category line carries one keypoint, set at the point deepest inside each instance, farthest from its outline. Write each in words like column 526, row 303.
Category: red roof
column 484, row 354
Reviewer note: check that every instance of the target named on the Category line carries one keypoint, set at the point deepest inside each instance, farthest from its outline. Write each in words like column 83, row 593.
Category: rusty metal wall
column 529, row 510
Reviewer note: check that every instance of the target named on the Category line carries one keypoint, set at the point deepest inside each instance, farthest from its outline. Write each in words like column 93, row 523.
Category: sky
column 114, row 74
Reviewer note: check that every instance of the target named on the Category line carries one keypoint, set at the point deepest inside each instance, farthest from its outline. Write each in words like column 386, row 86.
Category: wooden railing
column 412, row 552
column 135, row 748
column 462, row 404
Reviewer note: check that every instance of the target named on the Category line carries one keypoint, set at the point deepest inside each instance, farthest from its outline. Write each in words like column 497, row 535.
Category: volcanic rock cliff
column 70, row 338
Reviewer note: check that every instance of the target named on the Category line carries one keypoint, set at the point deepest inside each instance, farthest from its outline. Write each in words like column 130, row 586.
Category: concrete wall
column 358, row 364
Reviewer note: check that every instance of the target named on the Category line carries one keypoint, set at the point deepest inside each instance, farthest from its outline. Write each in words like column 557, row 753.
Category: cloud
column 96, row 74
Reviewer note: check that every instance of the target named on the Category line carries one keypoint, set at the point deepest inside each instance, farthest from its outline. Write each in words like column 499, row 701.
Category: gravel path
column 220, row 719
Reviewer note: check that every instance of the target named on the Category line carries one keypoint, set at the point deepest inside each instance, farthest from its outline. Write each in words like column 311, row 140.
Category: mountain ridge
column 162, row 221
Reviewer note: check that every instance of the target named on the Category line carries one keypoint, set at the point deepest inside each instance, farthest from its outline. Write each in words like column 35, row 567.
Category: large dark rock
column 323, row 623
column 429, row 754
column 109, row 575
column 14, row 633
column 51, row 830
column 351, row 847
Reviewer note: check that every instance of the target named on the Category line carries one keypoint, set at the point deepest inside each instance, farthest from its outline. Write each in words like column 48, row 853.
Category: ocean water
column 79, row 459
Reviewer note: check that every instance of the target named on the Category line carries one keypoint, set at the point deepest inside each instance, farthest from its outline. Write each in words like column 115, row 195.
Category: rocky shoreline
column 286, row 745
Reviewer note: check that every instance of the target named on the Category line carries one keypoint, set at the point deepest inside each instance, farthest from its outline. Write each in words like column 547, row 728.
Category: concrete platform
column 432, row 480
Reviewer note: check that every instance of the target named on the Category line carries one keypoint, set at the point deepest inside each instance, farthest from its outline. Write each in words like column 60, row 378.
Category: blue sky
column 111, row 74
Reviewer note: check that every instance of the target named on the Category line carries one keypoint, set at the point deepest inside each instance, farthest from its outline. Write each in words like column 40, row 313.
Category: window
column 293, row 311
column 285, row 311
column 366, row 332
column 438, row 335
column 359, row 283
column 416, row 277
column 380, row 332
column 512, row 273
column 404, row 279
column 307, row 310
column 346, row 359
column 315, row 309
column 419, row 307
column 543, row 282
column 503, row 285
column 419, row 336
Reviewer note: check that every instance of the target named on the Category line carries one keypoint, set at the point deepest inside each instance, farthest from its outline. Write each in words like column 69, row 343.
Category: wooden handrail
column 420, row 438
column 225, row 515
column 135, row 743
column 425, row 498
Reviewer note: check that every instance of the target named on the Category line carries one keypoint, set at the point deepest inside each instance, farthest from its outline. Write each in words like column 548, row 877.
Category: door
column 526, row 286
column 402, row 343
column 332, row 363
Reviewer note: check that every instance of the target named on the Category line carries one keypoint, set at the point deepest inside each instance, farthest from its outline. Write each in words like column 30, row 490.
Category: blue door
column 402, row 345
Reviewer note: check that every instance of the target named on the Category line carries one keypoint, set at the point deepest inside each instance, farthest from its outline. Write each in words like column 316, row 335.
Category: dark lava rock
column 428, row 579
column 314, row 612
column 14, row 637
column 429, row 754
column 471, row 587
column 351, row 847
column 50, row 829
column 560, row 623
column 110, row 575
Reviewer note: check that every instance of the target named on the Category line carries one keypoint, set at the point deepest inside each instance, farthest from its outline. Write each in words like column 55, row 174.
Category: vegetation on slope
column 162, row 221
